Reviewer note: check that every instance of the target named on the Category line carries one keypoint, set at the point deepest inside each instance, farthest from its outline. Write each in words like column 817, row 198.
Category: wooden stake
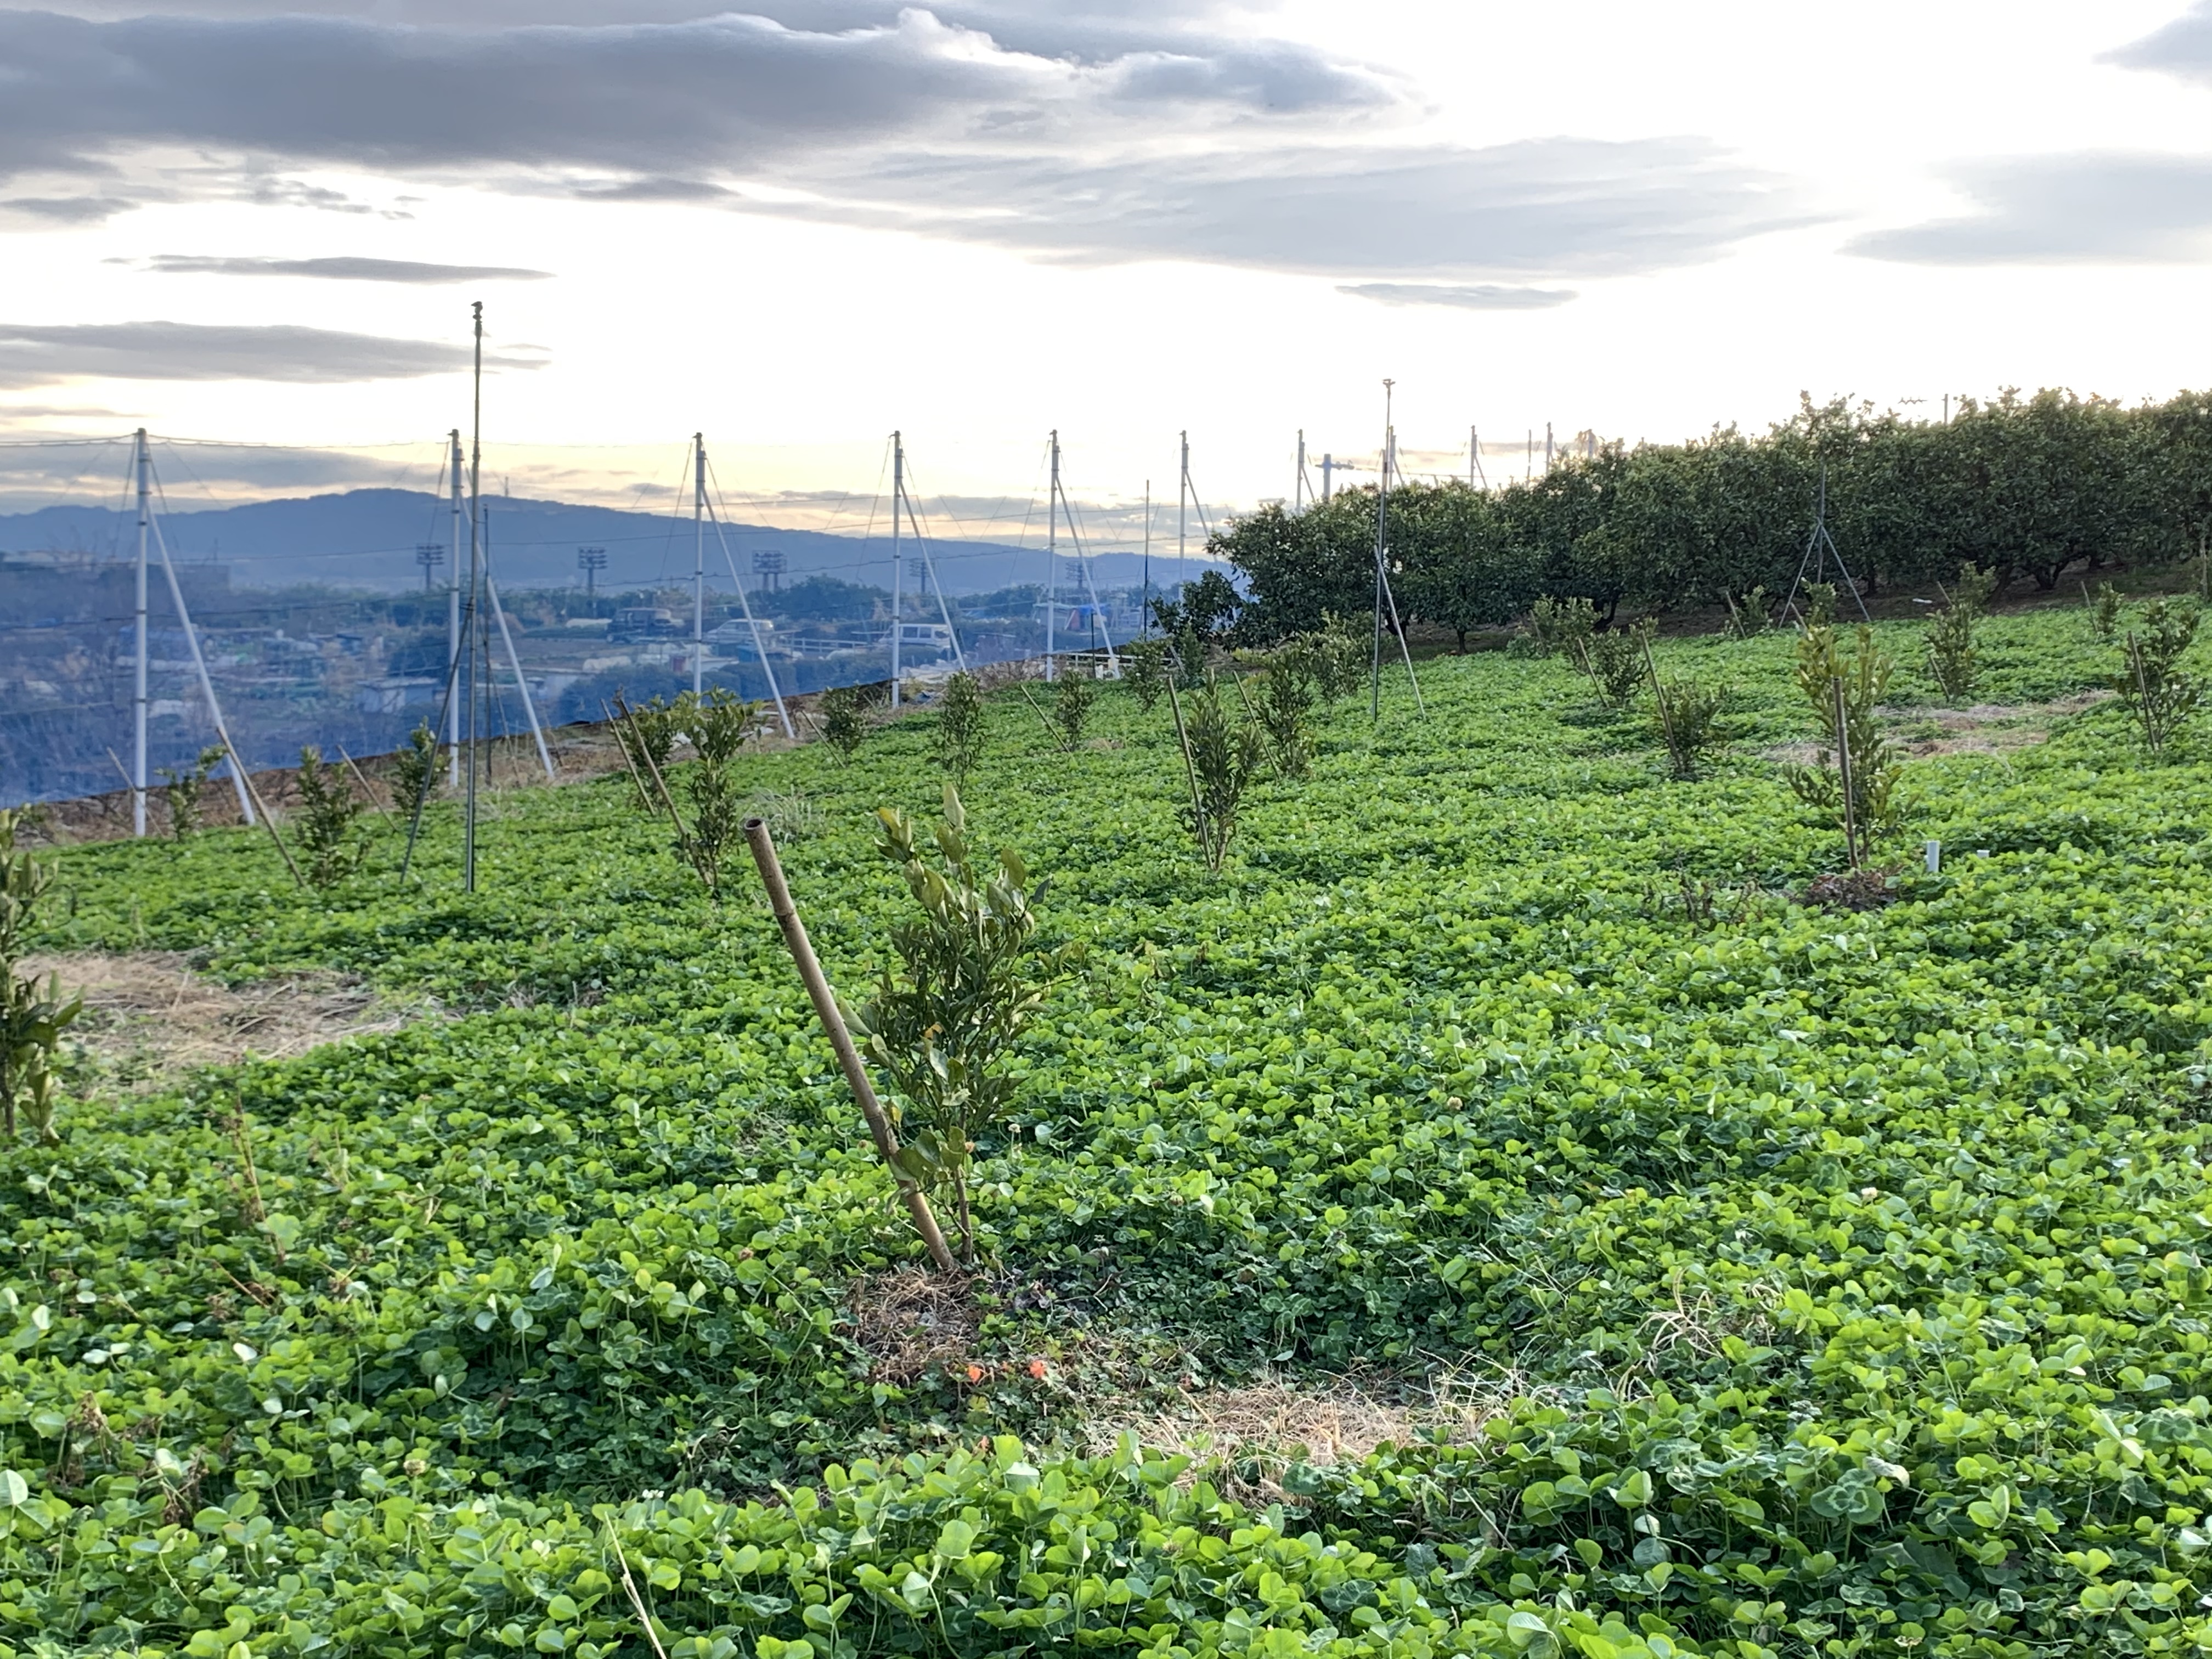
column 1666, row 719
column 1844, row 771
column 261, row 811
column 1037, row 709
column 623, row 743
column 1190, row 770
column 362, row 779
column 849, row 1056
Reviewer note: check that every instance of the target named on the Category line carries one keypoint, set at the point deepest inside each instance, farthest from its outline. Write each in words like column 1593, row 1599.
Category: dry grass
column 910, row 1320
column 148, row 1015
column 1248, row 1436
column 1986, row 728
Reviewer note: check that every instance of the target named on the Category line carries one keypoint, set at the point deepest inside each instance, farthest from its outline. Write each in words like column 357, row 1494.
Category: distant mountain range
column 366, row 539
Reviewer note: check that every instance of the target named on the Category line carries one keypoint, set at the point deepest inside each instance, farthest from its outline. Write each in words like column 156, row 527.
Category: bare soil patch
column 148, row 1015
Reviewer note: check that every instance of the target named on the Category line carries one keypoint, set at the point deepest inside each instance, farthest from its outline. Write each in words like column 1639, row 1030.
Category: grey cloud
column 731, row 91
column 651, row 190
column 1480, row 297
column 65, row 210
column 1111, row 130
column 2183, row 48
column 45, row 354
column 341, row 268
column 1537, row 207
column 2065, row 209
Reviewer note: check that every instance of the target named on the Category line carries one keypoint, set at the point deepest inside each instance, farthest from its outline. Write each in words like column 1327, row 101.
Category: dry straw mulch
column 148, row 1014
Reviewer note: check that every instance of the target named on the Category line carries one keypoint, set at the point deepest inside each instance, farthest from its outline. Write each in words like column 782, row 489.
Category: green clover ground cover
column 1842, row 1273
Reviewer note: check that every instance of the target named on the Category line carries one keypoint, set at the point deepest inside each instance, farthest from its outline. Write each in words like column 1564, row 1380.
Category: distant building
column 397, row 695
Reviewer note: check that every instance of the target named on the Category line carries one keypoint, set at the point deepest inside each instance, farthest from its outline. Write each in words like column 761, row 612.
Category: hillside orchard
column 1812, row 1278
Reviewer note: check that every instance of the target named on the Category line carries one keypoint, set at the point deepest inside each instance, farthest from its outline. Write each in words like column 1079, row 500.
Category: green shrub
column 844, row 727
column 1616, row 661
column 182, row 792
column 1951, row 654
column 415, row 771
column 1070, row 703
column 330, row 851
column 648, row 733
column 2105, row 613
column 1856, row 778
column 972, row 976
column 32, row 1017
column 960, row 726
column 1748, row 617
column 2151, row 681
column 1285, row 699
column 718, row 725
column 1221, row 758
column 1145, row 670
column 1562, row 627
column 1687, row 714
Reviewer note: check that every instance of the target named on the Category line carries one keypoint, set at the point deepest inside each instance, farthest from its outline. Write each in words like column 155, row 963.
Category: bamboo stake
column 361, row 778
column 1190, row 770
column 261, row 811
column 1666, row 717
column 1844, row 771
column 644, row 1619
column 849, row 1056
column 636, row 782
column 1037, row 709
column 660, row 783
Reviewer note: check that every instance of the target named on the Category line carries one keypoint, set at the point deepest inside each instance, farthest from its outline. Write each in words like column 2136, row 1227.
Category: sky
column 797, row 229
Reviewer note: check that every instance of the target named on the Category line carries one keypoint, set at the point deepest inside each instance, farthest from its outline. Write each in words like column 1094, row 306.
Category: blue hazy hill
column 366, row 539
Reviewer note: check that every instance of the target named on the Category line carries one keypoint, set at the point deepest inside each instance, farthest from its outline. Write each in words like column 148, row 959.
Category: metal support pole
column 1051, row 556
column 1083, row 569
column 476, row 579
column 1298, row 484
column 929, row 567
column 239, row 782
column 515, row 660
column 1328, row 475
column 898, row 570
column 1182, row 524
column 699, row 565
column 760, row 644
column 453, row 628
column 139, row 682
column 1145, row 605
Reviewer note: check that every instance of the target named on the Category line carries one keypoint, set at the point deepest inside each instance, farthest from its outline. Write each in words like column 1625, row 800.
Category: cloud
column 2068, row 208
column 32, row 354
column 342, row 267
column 1546, row 206
column 59, row 210
column 1114, row 129
column 2183, row 48
column 670, row 99
column 1482, row 296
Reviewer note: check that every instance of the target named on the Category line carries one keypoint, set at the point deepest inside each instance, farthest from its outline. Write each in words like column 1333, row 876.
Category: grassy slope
column 1851, row 1263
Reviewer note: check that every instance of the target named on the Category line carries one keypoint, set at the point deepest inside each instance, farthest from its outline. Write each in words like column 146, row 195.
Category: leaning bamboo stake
column 652, row 766
column 1844, row 774
column 361, row 778
column 849, row 1056
column 621, row 742
column 261, row 811
column 1190, row 771
column 1035, row 707
column 1666, row 714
